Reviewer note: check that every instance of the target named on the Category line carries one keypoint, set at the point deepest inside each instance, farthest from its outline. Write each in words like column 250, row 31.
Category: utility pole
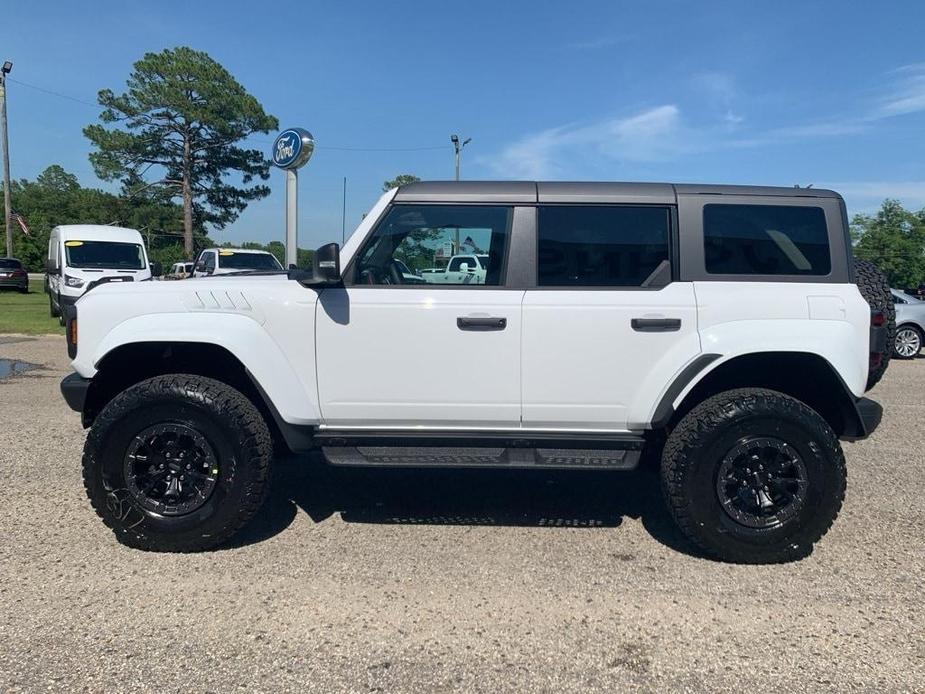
column 7, row 205
column 457, row 146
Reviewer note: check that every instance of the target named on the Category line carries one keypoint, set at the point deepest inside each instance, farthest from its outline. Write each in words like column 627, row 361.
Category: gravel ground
column 442, row 581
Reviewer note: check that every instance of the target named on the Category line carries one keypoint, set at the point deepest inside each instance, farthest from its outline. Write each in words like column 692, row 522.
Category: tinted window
column 765, row 240
column 104, row 254
column 599, row 246
column 10, row 263
column 209, row 261
column 231, row 260
column 424, row 238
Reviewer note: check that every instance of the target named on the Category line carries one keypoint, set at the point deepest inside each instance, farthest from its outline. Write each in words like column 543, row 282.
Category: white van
column 79, row 254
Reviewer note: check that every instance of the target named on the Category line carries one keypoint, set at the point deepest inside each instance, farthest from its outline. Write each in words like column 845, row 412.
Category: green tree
column 894, row 240
column 399, row 180
column 185, row 114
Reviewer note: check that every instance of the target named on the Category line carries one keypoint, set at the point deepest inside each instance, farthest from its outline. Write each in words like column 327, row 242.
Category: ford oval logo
column 292, row 148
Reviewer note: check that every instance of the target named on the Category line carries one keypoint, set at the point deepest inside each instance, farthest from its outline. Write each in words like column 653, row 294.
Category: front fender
column 291, row 389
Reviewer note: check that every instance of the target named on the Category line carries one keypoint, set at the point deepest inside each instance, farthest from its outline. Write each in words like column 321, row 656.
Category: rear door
column 607, row 327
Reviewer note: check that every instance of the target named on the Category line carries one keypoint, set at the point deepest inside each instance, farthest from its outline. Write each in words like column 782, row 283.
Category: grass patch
column 26, row 313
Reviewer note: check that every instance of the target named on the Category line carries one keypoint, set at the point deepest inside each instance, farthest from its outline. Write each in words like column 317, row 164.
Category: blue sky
column 829, row 93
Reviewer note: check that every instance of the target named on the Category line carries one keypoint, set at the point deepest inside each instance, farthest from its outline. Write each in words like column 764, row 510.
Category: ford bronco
column 723, row 330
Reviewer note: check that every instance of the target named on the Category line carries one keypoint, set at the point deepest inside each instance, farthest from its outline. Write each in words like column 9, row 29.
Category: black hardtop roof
column 587, row 191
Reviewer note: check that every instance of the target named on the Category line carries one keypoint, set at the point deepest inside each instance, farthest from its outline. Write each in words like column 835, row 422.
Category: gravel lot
column 441, row 581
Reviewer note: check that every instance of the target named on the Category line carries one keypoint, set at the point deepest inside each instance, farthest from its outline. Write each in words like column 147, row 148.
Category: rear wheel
column 875, row 289
column 177, row 463
column 753, row 476
column 908, row 342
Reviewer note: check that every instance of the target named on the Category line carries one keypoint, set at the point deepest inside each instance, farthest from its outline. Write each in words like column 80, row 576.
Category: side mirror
column 51, row 267
column 156, row 269
column 326, row 266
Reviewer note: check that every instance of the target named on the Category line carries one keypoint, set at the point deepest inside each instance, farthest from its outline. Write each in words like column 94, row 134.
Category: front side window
column 437, row 244
column 104, row 254
column 601, row 246
column 765, row 240
column 209, row 262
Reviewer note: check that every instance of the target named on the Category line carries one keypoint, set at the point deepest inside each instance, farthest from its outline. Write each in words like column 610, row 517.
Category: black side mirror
column 51, row 267
column 156, row 269
column 326, row 266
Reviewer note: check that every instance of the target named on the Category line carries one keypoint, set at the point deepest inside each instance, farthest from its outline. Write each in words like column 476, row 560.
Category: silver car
column 910, row 325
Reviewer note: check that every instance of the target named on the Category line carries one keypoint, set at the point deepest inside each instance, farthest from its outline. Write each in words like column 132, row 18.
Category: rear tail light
column 877, row 319
column 72, row 337
column 19, row 273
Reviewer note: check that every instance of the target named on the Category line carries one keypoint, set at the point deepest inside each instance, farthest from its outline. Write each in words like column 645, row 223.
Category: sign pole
column 292, row 218
column 291, row 150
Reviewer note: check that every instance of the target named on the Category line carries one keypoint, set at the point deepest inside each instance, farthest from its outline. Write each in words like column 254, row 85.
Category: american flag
column 19, row 219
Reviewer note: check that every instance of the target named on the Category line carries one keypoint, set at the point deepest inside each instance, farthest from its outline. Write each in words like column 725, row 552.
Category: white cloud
column 907, row 94
column 866, row 196
column 656, row 134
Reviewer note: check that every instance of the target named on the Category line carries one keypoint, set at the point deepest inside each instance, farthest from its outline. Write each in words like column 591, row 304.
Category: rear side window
column 765, row 240
column 601, row 246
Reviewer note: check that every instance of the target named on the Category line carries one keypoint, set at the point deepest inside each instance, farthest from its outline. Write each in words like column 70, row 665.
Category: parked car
column 227, row 261
column 462, row 269
column 180, row 271
column 80, row 255
column 910, row 325
column 13, row 275
column 724, row 330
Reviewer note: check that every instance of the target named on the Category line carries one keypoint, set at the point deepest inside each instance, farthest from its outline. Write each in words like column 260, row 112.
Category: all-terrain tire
column 709, row 434
column 228, row 424
column 875, row 289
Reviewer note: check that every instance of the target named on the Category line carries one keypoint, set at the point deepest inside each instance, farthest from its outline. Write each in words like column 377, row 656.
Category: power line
column 58, row 94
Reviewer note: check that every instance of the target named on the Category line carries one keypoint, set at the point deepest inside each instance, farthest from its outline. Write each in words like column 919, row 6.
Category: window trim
column 693, row 259
column 349, row 271
column 673, row 254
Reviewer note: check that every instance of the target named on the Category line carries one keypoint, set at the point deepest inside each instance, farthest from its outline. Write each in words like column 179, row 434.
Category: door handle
column 656, row 325
column 481, row 324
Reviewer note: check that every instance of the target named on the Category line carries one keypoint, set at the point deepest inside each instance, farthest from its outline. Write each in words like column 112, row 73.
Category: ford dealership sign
column 293, row 148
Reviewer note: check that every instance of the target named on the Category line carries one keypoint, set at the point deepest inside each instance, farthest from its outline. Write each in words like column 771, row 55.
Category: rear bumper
column 74, row 388
column 19, row 283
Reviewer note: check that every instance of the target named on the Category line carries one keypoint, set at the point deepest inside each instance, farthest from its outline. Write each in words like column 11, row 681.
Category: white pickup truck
column 722, row 330
column 462, row 269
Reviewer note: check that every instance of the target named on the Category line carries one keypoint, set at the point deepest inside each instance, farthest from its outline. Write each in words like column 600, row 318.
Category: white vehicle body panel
column 585, row 367
column 395, row 357
column 60, row 235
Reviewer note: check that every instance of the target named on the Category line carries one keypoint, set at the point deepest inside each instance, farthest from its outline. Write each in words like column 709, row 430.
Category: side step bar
column 499, row 450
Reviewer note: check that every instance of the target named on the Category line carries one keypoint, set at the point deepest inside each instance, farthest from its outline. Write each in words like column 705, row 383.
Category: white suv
column 718, row 329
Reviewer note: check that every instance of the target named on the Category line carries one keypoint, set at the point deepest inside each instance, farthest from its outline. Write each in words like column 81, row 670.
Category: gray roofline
column 526, row 192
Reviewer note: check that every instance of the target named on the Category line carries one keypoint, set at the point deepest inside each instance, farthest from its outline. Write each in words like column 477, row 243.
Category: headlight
column 75, row 282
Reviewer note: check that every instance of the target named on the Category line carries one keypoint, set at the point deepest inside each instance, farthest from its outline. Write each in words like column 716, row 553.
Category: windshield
column 229, row 260
column 104, row 254
column 10, row 263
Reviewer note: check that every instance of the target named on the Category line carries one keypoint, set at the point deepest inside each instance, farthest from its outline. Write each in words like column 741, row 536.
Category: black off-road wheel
column 875, row 289
column 177, row 463
column 753, row 476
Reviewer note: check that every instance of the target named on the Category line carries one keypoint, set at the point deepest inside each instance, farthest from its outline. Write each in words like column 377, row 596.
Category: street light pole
column 458, row 147
column 7, row 205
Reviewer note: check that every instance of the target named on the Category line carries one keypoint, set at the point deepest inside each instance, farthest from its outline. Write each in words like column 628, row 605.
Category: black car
column 13, row 275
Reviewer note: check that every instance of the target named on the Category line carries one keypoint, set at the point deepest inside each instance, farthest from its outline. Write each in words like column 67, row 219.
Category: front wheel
column 177, row 463
column 908, row 342
column 753, row 476
column 52, row 311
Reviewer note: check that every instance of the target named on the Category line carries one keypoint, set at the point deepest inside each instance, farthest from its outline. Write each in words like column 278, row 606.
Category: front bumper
column 74, row 388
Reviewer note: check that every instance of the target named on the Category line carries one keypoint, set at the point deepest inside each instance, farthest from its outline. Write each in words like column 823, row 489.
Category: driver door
column 397, row 352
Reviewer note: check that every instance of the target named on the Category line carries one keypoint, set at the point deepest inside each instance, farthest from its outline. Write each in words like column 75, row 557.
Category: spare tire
column 875, row 289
